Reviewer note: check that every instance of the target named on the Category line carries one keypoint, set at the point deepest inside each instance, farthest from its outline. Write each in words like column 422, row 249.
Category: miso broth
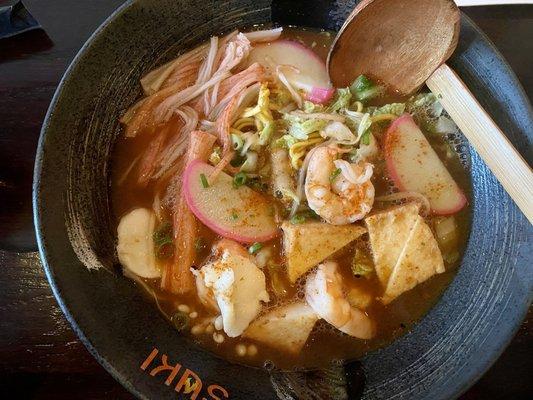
column 158, row 194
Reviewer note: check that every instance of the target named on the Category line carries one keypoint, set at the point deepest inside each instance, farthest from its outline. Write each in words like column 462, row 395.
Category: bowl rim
column 468, row 380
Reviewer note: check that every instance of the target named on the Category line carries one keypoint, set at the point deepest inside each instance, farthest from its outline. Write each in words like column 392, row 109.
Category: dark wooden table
column 40, row 356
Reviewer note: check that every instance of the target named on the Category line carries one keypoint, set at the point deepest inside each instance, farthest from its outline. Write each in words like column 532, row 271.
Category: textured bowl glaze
column 440, row 358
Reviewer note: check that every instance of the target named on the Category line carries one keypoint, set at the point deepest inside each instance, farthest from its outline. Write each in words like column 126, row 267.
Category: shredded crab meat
column 179, row 145
column 165, row 110
column 206, row 68
column 154, row 80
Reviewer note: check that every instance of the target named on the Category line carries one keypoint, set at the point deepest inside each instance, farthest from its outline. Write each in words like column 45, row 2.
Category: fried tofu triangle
column 404, row 249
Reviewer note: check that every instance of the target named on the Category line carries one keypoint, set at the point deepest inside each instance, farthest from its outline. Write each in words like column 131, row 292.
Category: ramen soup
column 275, row 218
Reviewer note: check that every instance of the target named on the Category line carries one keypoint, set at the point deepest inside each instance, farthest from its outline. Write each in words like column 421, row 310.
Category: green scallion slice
column 334, row 174
column 254, row 248
column 203, row 180
column 239, row 179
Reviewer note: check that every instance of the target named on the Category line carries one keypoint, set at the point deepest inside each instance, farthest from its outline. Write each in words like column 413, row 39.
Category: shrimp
column 324, row 292
column 341, row 199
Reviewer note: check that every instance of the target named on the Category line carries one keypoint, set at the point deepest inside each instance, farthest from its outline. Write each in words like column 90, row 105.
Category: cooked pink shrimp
column 341, row 198
column 324, row 292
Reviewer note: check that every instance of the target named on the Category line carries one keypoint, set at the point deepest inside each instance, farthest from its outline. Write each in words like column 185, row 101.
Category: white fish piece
column 135, row 243
column 238, row 286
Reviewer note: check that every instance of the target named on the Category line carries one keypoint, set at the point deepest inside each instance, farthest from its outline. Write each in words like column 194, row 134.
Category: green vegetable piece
column 163, row 233
column 234, row 215
column 180, row 321
column 266, row 133
column 365, row 138
column 362, row 265
column 236, row 141
column 286, row 141
column 310, row 107
column 360, row 84
column 239, row 179
column 341, row 100
column 163, row 243
column 303, row 216
column 297, row 219
column 334, row 174
column 254, row 248
column 203, row 180
column 391, row 108
column 301, row 129
column 364, row 89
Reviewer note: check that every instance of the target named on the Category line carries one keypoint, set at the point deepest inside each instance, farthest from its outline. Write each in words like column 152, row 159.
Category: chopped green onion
column 203, row 180
column 180, row 321
column 162, row 237
column 163, row 233
column 236, row 141
column 298, row 219
column 302, row 216
column 365, row 137
column 364, row 89
column 362, row 265
column 334, row 174
column 234, row 215
column 361, row 83
column 254, row 248
column 239, row 179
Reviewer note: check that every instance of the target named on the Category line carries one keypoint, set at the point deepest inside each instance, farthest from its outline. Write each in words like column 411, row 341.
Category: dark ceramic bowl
column 440, row 358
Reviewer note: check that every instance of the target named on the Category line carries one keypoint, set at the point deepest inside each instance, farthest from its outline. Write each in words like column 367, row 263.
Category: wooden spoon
column 405, row 43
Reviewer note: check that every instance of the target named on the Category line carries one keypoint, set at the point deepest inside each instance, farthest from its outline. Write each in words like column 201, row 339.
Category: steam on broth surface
column 272, row 217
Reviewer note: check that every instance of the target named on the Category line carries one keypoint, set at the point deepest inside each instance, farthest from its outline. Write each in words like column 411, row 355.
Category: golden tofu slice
column 306, row 245
column 420, row 260
column 388, row 231
column 284, row 328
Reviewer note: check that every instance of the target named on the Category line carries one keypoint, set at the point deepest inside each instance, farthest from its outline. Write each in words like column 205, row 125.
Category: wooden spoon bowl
column 375, row 40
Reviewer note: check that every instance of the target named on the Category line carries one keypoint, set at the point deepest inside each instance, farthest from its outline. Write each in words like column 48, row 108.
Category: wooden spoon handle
column 468, row 3
column 492, row 145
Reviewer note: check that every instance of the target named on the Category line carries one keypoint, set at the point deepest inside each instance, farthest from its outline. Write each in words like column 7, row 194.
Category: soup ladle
column 405, row 43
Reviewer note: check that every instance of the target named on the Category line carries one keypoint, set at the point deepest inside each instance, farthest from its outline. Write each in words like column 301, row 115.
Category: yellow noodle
column 298, row 150
column 383, row 117
column 244, row 123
